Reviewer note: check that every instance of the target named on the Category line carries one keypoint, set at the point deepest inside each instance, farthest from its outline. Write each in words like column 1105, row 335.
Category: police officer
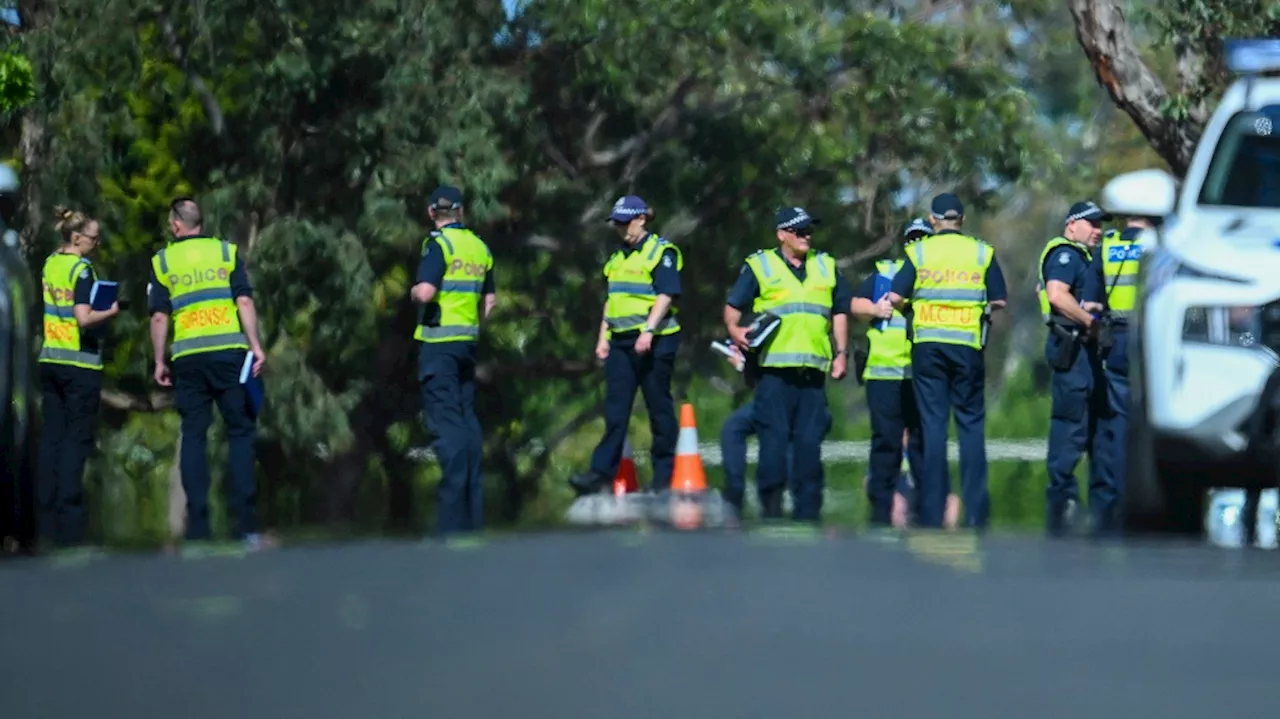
column 1070, row 349
column 887, row 376
column 639, row 336
column 455, row 290
column 804, row 288
column 1115, row 269
column 200, row 281
column 952, row 281
column 70, row 377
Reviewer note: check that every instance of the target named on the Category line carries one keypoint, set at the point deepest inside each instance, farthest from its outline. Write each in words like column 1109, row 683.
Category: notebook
column 252, row 385
column 103, row 295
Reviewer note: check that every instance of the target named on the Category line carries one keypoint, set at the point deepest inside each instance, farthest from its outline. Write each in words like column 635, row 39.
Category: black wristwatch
column 844, row 353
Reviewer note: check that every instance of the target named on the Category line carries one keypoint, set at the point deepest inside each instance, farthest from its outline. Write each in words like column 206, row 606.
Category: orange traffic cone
column 688, row 479
column 624, row 482
column 688, row 475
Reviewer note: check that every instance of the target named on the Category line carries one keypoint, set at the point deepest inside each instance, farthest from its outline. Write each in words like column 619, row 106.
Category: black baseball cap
column 446, row 197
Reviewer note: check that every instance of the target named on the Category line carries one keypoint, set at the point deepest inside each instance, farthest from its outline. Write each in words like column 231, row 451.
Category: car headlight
column 1231, row 326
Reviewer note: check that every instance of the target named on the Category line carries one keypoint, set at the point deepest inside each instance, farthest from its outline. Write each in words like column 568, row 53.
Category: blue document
column 882, row 286
column 103, row 295
column 253, row 390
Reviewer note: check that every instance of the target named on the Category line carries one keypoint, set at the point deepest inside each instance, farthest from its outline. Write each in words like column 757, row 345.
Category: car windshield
column 1245, row 171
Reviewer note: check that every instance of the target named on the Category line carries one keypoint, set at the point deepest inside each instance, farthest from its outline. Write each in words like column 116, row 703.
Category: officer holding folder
column 70, row 376
column 200, row 281
column 886, row 373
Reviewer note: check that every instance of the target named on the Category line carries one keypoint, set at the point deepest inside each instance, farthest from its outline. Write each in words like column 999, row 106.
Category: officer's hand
column 114, row 309
column 739, row 337
column 839, row 366
column 884, row 308
column 602, row 349
column 162, row 375
column 643, row 342
column 259, row 361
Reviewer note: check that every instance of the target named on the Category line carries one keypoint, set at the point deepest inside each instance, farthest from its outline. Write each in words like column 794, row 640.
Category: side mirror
column 1145, row 193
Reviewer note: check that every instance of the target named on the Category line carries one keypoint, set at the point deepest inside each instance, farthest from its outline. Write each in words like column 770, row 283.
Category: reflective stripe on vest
column 62, row 336
column 889, row 354
column 197, row 273
column 1121, row 260
column 950, row 292
column 631, row 291
column 466, row 262
column 1046, row 310
column 804, row 337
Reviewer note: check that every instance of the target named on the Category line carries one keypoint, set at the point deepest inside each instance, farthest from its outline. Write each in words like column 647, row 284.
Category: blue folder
column 882, row 286
column 103, row 295
column 253, row 390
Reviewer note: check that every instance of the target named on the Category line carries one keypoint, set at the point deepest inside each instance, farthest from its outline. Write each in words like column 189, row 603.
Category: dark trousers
column 733, row 452
column 200, row 381
column 892, row 404
column 792, row 420
column 449, row 400
column 1079, row 409
column 625, row 371
column 69, row 404
column 951, row 378
column 1115, row 425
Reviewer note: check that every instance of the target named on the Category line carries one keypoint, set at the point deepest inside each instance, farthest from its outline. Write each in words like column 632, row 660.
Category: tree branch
column 129, row 402
column 211, row 106
column 1108, row 43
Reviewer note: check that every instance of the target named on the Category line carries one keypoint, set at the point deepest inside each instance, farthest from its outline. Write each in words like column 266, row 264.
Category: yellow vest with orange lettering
column 197, row 273
column 63, row 339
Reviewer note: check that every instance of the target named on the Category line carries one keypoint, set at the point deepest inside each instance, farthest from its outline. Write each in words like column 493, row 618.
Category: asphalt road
column 624, row 625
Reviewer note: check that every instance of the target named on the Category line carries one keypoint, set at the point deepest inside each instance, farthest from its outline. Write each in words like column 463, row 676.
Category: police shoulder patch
column 84, row 274
column 1064, row 257
column 666, row 260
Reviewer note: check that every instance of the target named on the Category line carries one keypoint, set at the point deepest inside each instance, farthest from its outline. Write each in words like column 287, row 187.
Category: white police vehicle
column 1203, row 352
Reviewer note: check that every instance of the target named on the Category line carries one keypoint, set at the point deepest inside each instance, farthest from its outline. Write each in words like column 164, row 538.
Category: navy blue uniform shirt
column 666, row 281
column 91, row 337
column 158, row 295
column 904, row 283
column 747, row 288
column 431, row 270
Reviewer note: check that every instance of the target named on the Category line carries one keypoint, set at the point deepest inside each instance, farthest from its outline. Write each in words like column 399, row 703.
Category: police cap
column 947, row 207
column 446, row 197
column 1086, row 210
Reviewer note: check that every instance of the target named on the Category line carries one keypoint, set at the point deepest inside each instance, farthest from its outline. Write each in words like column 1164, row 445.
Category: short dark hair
column 186, row 211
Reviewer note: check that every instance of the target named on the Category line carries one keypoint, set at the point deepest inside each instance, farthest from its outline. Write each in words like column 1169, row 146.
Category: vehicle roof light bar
column 1251, row 57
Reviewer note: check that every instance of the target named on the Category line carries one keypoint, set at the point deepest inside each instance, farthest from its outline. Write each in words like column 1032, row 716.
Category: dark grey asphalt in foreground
column 600, row 625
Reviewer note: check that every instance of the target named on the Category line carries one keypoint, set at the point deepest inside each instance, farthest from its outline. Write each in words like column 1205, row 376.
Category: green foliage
column 17, row 87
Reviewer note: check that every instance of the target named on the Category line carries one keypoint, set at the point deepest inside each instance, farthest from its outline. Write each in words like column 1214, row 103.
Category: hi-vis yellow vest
column 466, row 262
column 1120, row 262
column 889, row 356
column 804, row 337
column 61, row 331
column 950, row 293
column 631, row 291
column 197, row 274
column 1046, row 311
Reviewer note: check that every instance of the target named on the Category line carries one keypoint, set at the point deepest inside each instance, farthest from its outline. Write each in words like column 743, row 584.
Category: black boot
column 771, row 503
column 586, row 483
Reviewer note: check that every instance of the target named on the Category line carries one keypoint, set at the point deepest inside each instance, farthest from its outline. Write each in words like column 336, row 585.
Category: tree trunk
column 177, row 496
column 1108, row 43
